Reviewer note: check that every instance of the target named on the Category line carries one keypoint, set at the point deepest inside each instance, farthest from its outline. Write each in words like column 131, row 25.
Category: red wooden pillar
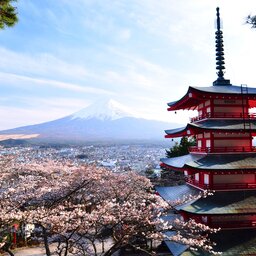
column 14, row 233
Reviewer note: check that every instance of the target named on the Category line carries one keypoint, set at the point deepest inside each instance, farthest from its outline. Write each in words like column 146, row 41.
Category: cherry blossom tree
column 87, row 210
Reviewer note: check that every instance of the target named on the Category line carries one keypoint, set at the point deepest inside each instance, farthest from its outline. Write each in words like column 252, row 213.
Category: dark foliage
column 251, row 20
column 182, row 148
column 8, row 14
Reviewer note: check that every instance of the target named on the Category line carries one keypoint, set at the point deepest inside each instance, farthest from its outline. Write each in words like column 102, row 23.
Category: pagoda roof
column 227, row 89
column 195, row 95
column 179, row 162
column 175, row 248
column 230, row 242
column 212, row 161
column 174, row 193
column 231, row 202
column 213, row 125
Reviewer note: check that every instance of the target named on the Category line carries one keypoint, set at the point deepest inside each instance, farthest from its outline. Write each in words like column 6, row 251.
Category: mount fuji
column 105, row 121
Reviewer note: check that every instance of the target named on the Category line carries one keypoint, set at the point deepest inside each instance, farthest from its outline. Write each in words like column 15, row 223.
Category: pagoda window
column 208, row 143
column 207, row 135
column 199, row 143
column 197, row 177
column 205, row 219
column 207, row 103
column 206, row 179
column 201, row 106
column 200, row 136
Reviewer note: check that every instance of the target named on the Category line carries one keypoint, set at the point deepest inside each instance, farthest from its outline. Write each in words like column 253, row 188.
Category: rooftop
column 213, row 162
column 231, row 202
column 232, row 125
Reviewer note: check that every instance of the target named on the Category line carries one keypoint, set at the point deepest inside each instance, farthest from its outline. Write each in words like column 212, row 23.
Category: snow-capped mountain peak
column 103, row 110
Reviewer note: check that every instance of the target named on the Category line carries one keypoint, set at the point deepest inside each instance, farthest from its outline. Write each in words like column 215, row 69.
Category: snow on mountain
column 103, row 110
column 105, row 121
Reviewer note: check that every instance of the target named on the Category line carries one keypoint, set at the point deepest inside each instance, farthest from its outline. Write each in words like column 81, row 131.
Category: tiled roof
column 226, row 124
column 175, row 248
column 176, row 192
column 217, row 125
column 232, row 202
column 228, row 89
column 225, row 162
column 180, row 161
column 233, row 89
column 231, row 243
column 195, row 94
column 213, row 162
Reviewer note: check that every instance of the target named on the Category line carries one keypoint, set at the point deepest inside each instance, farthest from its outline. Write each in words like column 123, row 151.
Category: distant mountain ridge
column 104, row 121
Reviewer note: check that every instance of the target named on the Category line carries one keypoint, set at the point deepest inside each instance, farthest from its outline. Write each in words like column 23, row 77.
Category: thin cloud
column 44, row 64
column 17, row 79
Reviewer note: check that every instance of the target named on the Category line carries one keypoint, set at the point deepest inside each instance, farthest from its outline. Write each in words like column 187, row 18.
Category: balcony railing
column 223, row 115
column 239, row 149
column 222, row 186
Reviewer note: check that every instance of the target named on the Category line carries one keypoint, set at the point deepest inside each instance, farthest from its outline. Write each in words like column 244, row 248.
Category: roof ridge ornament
column 220, row 54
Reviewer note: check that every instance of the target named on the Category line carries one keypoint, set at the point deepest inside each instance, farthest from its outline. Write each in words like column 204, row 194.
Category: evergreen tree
column 171, row 177
column 181, row 149
column 8, row 14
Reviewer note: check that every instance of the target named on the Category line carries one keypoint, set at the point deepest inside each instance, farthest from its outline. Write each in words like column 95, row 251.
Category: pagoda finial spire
column 220, row 54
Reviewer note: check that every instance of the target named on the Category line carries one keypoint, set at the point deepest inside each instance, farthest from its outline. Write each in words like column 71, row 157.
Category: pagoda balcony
column 238, row 149
column 223, row 115
column 222, row 186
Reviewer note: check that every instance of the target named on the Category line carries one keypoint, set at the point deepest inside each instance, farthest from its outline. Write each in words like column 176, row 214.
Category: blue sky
column 64, row 55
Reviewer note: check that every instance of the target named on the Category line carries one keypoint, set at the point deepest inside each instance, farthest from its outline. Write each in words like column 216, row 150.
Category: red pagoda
column 224, row 158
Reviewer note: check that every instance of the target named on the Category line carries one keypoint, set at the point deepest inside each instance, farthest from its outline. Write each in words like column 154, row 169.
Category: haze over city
column 64, row 55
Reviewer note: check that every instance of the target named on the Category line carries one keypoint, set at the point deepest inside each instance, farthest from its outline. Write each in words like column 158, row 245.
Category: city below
column 118, row 158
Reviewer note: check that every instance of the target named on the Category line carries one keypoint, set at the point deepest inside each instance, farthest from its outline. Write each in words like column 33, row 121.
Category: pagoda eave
column 189, row 101
column 214, row 162
column 226, row 126
column 196, row 95
column 223, row 203
column 174, row 168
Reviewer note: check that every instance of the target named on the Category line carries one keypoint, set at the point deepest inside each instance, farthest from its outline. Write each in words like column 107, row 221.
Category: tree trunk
column 66, row 249
column 6, row 248
column 46, row 244
column 8, row 251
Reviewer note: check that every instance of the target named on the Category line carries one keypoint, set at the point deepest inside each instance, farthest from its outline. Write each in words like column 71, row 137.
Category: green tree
column 8, row 14
column 171, row 177
column 251, row 20
column 181, row 149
